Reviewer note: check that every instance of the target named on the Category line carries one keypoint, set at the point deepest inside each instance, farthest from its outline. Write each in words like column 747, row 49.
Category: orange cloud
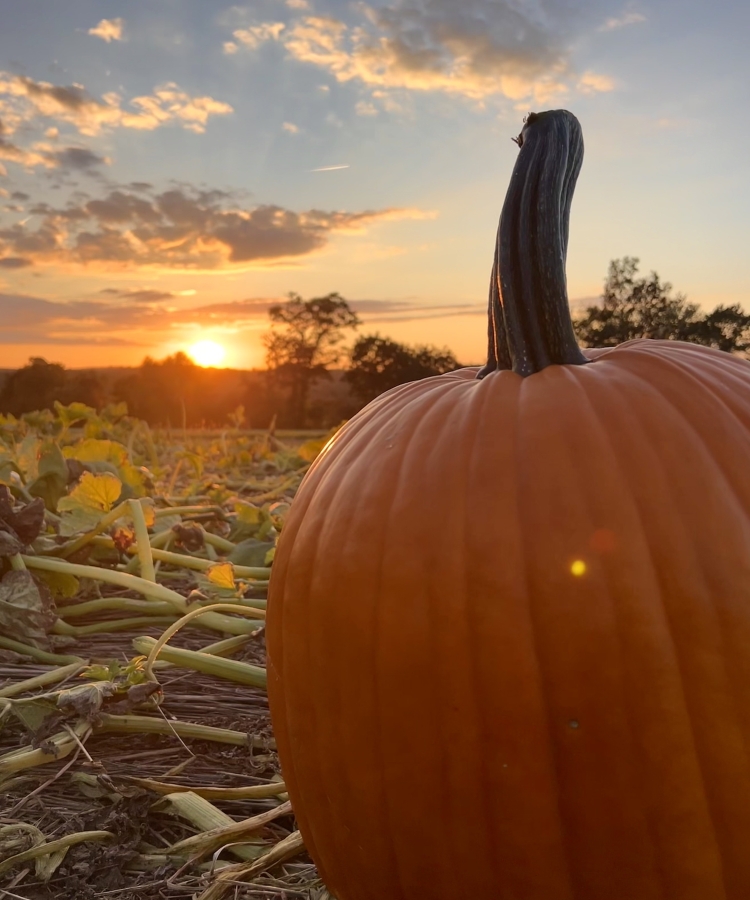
column 474, row 48
column 122, row 315
column 434, row 47
column 23, row 99
column 108, row 30
column 182, row 228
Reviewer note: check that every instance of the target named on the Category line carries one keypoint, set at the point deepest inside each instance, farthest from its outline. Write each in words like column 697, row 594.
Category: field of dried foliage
column 136, row 752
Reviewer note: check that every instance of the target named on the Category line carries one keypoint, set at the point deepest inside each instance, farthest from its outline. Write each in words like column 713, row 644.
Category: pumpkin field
column 136, row 754
column 498, row 619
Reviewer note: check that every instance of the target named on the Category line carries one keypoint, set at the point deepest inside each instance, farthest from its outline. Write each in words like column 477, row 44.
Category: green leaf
column 52, row 480
column 74, row 412
column 250, row 552
column 27, row 456
column 77, row 520
column 33, row 713
column 8, row 467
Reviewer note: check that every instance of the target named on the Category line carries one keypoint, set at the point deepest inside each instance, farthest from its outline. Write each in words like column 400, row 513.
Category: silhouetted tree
column 378, row 364
column 175, row 391
column 635, row 307
column 161, row 392
column 726, row 328
column 35, row 386
column 304, row 341
column 84, row 387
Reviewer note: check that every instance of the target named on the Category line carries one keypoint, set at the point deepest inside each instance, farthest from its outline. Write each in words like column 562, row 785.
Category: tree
column 35, row 386
column 38, row 384
column 304, row 341
column 726, row 328
column 378, row 364
column 646, row 308
column 163, row 391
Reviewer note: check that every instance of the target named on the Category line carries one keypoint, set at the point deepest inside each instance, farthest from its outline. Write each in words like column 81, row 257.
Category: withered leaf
column 27, row 611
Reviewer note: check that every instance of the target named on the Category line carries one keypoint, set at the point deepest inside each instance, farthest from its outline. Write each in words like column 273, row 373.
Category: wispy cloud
column 628, row 18
column 108, row 30
column 23, row 99
column 592, row 83
column 182, row 228
column 138, row 312
column 254, row 35
column 375, row 312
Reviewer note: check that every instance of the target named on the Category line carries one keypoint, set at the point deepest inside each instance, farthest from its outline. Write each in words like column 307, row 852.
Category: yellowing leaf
column 270, row 555
column 222, row 575
column 93, row 492
column 95, row 450
column 133, row 477
column 249, row 514
column 62, row 584
column 149, row 511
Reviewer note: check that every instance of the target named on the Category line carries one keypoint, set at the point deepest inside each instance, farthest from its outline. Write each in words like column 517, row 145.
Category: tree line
column 314, row 379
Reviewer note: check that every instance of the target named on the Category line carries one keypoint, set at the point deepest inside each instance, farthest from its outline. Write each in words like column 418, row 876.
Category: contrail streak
column 329, row 168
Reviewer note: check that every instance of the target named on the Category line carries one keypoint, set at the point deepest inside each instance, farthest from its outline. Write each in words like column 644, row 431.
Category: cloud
column 591, row 83
column 79, row 158
column 386, row 311
column 290, row 127
column 139, row 295
column 628, row 18
column 365, row 108
column 108, row 30
column 181, row 228
column 49, row 157
column 230, row 47
column 475, row 48
column 22, row 99
column 142, row 314
column 14, row 262
column 255, row 35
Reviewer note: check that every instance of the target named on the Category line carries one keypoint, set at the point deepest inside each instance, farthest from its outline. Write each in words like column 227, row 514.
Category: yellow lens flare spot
column 578, row 568
column 207, row 353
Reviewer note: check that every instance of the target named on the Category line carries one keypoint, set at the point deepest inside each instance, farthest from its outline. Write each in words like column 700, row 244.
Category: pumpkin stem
column 529, row 319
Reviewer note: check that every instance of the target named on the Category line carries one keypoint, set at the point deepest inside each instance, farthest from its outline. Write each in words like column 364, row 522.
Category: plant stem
column 529, row 319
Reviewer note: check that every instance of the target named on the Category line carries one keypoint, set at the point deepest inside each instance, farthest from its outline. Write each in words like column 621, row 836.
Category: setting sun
column 207, row 353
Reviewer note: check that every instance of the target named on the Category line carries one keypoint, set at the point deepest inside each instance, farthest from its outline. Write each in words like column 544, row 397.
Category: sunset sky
column 168, row 169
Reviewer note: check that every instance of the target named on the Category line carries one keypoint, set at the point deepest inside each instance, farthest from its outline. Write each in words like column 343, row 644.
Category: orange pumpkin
column 509, row 618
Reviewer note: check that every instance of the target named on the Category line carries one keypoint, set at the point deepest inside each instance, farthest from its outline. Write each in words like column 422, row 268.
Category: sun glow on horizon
column 207, row 353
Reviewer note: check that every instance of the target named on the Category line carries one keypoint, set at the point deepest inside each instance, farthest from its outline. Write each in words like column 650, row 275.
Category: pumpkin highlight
column 461, row 709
